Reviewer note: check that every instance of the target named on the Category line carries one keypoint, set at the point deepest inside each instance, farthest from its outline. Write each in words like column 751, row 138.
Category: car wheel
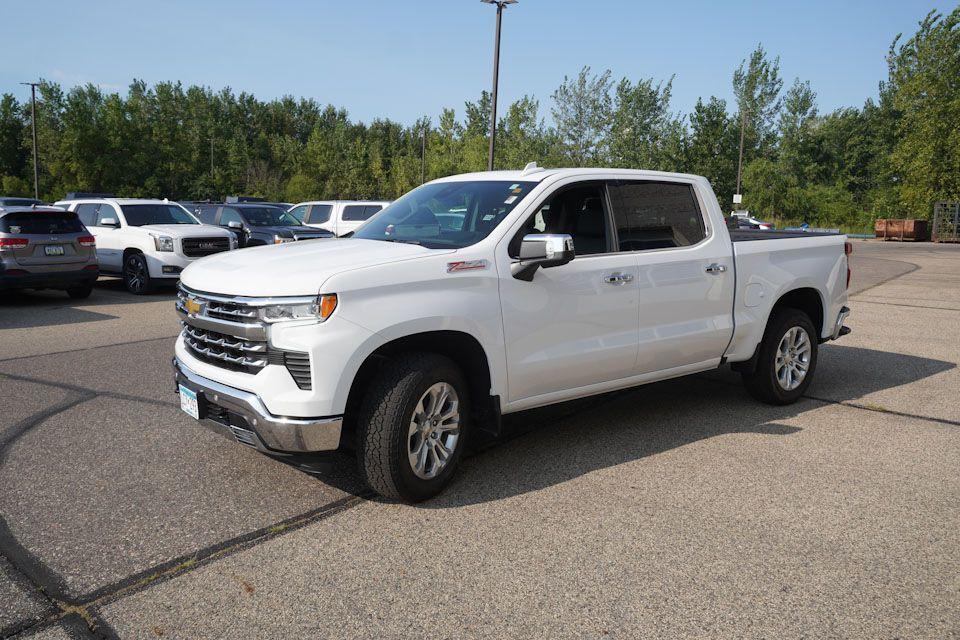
column 136, row 275
column 78, row 293
column 412, row 427
column 787, row 359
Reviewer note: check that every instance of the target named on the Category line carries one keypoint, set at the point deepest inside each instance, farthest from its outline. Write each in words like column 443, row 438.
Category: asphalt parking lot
column 680, row 509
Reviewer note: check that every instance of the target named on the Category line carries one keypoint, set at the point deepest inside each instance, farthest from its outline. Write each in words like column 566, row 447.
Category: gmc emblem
column 207, row 245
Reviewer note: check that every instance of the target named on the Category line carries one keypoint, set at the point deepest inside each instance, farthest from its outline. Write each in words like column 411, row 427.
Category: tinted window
column 41, row 222
column 655, row 215
column 207, row 214
column 230, row 215
column 576, row 211
column 267, row 216
column 320, row 213
column 446, row 214
column 87, row 213
column 138, row 215
column 356, row 213
column 299, row 212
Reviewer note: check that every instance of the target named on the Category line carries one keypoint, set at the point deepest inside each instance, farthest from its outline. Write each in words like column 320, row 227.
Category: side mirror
column 542, row 250
column 235, row 224
column 110, row 222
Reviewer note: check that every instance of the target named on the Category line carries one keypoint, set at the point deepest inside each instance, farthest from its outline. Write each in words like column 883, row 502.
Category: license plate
column 188, row 402
column 53, row 249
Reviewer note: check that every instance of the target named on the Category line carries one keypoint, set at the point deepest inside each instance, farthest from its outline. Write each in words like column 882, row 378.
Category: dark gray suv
column 46, row 248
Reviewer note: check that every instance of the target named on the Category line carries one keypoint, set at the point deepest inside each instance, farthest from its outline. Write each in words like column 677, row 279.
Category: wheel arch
column 461, row 347
column 807, row 299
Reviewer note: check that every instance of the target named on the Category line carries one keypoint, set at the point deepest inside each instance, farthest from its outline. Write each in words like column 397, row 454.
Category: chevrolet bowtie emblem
column 193, row 306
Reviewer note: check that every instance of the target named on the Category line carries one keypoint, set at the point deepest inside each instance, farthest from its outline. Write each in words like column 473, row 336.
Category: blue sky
column 401, row 59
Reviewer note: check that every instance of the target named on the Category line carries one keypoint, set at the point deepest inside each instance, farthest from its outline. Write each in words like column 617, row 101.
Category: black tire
column 136, row 274
column 763, row 383
column 78, row 293
column 383, row 425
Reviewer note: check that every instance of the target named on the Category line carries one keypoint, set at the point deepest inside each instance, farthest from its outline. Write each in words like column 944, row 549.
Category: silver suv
column 46, row 248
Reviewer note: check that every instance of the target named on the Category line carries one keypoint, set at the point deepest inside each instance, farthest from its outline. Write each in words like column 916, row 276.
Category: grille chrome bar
column 223, row 341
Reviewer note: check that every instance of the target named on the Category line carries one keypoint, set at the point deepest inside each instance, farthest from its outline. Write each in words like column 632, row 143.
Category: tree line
column 892, row 157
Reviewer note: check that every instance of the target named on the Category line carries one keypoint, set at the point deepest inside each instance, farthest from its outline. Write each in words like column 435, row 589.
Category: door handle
column 716, row 268
column 617, row 278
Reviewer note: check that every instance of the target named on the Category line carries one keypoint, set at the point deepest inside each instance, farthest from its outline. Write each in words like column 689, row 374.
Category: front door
column 574, row 325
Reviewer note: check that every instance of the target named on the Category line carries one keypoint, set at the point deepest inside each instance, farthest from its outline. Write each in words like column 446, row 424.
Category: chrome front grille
column 225, row 350
column 199, row 247
column 228, row 333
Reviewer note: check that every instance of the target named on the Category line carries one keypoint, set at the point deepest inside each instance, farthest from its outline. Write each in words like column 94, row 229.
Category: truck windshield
column 446, row 215
column 268, row 217
column 138, row 215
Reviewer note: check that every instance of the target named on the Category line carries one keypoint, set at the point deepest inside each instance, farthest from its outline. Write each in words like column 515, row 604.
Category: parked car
column 147, row 242
column 743, row 220
column 412, row 335
column 46, row 248
column 13, row 201
column 258, row 224
column 337, row 216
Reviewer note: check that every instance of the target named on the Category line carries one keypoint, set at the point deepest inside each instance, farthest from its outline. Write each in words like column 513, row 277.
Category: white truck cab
column 147, row 242
column 483, row 294
column 338, row 216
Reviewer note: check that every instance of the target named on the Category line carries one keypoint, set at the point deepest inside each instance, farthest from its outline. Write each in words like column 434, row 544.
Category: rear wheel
column 78, row 293
column 787, row 359
column 136, row 275
column 412, row 427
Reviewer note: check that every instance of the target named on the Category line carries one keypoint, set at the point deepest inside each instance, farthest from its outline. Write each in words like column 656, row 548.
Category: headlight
column 163, row 243
column 318, row 309
column 281, row 239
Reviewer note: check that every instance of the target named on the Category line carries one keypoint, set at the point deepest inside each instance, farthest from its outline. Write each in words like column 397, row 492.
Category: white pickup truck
column 407, row 338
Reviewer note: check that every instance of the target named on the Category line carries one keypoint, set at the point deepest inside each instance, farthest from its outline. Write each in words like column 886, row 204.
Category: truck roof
column 539, row 174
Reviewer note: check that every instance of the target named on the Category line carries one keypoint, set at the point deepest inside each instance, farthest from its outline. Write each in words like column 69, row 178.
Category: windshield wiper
column 416, row 242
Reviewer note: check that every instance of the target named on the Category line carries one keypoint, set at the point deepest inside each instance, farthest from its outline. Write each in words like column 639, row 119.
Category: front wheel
column 787, row 359
column 136, row 275
column 412, row 427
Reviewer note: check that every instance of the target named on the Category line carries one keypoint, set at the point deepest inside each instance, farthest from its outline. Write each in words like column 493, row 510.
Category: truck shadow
column 545, row 447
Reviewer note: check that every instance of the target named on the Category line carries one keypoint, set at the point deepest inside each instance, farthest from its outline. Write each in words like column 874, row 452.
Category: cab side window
column 106, row 212
column 228, row 216
column 578, row 211
column 87, row 212
column 299, row 212
column 320, row 213
column 655, row 215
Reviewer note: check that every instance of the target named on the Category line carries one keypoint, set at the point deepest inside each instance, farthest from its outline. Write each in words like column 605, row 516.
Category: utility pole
column 496, row 72
column 737, row 198
column 33, row 124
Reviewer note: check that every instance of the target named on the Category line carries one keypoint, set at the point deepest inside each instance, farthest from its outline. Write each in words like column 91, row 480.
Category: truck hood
column 294, row 268
column 186, row 230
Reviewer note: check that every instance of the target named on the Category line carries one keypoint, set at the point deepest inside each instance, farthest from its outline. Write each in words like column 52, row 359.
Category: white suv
column 147, row 242
column 339, row 216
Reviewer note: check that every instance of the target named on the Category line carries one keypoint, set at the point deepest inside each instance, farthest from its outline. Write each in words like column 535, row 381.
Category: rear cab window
column 655, row 215
column 41, row 223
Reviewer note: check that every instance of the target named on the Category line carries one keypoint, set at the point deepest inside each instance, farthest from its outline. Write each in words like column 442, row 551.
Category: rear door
column 685, row 280
column 110, row 239
column 321, row 216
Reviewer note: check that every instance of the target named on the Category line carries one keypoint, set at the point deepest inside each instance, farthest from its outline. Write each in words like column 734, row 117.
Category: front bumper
column 242, row 416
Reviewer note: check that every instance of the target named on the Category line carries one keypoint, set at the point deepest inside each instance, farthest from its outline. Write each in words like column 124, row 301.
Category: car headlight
column 281, row 239
column 318, row 309
column 163, row 243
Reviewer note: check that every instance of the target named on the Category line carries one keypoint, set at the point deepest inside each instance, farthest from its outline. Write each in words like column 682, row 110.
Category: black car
column 258, row 223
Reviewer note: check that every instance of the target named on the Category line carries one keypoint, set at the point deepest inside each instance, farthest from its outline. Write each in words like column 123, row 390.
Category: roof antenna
column 530, row 168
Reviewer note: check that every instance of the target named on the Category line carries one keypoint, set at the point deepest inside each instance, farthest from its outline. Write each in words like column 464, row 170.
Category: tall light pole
column 501, row 4
column 33, row 124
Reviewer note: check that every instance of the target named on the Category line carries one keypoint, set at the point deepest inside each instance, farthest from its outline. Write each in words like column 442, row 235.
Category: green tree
column 582, row 113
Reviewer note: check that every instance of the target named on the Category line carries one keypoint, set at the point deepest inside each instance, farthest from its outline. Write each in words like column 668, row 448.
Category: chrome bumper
column 838, row 328
column 242, row 416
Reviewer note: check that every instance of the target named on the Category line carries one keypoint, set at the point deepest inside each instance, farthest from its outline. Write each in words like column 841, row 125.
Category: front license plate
column 188, row 402
column 53, row 249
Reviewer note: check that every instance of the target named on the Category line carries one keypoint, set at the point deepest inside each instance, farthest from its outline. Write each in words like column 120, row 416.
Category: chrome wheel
column 793, row 358
column 434, row 430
